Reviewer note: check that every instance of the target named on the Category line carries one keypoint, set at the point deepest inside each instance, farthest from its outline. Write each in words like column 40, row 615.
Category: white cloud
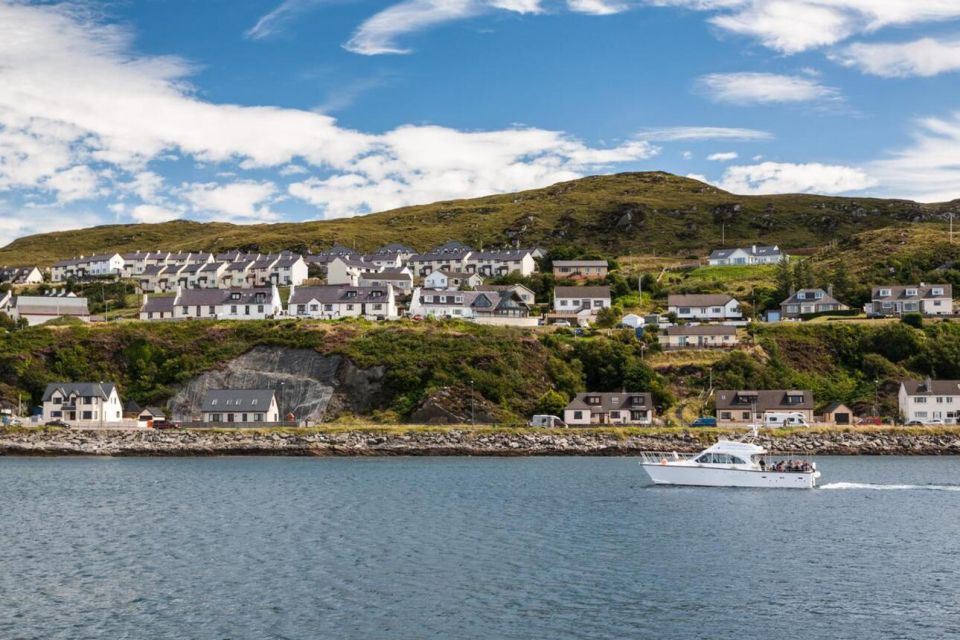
column 792, row 26
column 276, row 20
column 775, row 177
column 687, row 155
column 928, row 169
column 153, row 213
column 925, row 57
column 246, row 201
column 75, row 183
column 378, row 34
column 723, row 156
column 597, row 7
column 696, row 134
column 763, row 88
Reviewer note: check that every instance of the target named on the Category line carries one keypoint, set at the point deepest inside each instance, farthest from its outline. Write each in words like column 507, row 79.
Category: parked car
column 165, row 424
column 562, row 323
column 704, row 421
column 544, row 420
column 57, row 423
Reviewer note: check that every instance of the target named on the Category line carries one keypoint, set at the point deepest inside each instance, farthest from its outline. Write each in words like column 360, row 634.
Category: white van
column 791, row 419
column 546, row 421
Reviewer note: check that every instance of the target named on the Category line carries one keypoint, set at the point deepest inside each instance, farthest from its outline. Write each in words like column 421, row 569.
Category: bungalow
column 485, row 307
column 451, row 280
column 208, row 304
column 21, row 275
column 750, row 407
column 494, row 264
column 400, row 279
column 331, row 302
column 147, row 417
column 895, row 300
column 580, row 269
column 704, row 307
column 809, row 301
column 243, row 406
column 39, row 309
column 628, row 408
column 708, row 336
column 581, row 303
column 930, row 401
column 87, row 404
column 754, row 254
column 347, row 271
column 157, row 307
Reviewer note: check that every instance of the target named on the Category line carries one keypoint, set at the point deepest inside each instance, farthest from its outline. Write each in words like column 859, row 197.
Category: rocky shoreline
column 453, row 442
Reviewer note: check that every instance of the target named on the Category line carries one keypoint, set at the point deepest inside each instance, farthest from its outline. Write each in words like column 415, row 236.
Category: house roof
column 462, row 275
column 503, row 287
column 335, row 294
column 580, row 263
column 232, row 400
column 701, row 330
column 613, row 401
column 207, row 297
column 833, row 406
column 931, row 387
column 387, row 274
column 158, row 304
column 798, row 297
column 581, row 292
column 764, row 400
column 501, row 255
column 394, row 248
column 41, row 305
column 698, row 300
column 440, row 256
column 86, row 389
column 899, row 292
column 154, row 412
column 754, row 250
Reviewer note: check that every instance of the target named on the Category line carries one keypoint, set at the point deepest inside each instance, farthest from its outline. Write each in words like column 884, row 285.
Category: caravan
column 791, row 419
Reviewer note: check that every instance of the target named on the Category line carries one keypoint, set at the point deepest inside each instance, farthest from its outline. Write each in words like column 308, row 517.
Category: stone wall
column 453, row 441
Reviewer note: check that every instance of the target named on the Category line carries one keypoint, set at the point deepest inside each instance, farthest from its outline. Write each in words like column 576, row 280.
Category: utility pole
column 723, row 234
column 473, row 408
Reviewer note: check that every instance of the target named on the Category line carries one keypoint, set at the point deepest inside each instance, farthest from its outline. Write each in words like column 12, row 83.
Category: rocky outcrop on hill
column 454, row 441
column 311, row 386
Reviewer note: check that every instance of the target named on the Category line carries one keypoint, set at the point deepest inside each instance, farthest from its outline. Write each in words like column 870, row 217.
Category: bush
column 914, row 320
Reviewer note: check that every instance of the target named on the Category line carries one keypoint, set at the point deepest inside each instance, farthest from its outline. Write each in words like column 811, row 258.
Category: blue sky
column 270, row 110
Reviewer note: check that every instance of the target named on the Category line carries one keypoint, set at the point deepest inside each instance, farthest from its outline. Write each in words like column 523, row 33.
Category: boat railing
column 662, row 457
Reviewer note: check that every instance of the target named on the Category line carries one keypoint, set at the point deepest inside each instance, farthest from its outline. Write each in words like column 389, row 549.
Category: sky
column 253, row 111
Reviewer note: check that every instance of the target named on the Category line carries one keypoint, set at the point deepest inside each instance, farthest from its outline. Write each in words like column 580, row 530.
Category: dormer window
column 912, row 293
column 593, row 399
column 214, row 402
column 937, row 291
column 885, row 293
column 234, row 296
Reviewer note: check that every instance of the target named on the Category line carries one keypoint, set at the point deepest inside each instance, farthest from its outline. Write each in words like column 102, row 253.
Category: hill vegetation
column 631, row 213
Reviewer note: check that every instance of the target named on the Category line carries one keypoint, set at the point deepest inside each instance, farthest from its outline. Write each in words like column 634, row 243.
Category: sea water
column 449, row 548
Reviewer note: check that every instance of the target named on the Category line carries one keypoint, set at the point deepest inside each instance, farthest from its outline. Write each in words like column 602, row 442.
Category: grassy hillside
column 514, row 372
column 630, row 213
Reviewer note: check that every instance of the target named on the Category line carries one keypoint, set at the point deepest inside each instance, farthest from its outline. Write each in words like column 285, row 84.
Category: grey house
column 243, row 406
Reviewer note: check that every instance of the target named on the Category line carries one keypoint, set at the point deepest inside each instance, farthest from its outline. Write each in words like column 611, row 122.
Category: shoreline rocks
column 452, row 442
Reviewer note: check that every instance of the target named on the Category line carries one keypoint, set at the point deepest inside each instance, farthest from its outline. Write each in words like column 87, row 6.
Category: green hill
column 639, row 213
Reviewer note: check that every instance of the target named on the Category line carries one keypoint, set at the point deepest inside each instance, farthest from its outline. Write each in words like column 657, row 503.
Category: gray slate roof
column 581, row 292
column 335, row 294
column 613, row 401
column 158, row 304
column 932, row 387
column 85, row 389
column 232, row 400
column 800, row 297
column 766, row 400
column 756, row 250
column 899, row 292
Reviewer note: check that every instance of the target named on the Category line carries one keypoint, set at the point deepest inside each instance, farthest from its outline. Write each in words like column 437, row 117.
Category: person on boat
column 763, row 464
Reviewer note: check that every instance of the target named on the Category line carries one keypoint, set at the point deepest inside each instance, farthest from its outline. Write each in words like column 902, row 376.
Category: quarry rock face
column 311, row 386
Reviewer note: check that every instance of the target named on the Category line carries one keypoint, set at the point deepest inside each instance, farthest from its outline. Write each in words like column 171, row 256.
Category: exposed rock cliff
column 309, row 385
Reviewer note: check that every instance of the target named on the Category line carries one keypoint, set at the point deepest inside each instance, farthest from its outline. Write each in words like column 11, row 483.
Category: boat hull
column 699, row 476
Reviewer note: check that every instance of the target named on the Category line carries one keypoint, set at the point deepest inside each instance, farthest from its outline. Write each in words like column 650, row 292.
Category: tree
column 551, row 403
column 784, row 278
column 609, row 317
column 914, row 320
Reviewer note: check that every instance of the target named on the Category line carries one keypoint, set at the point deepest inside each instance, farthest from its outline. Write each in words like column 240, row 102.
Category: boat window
column 719, row 458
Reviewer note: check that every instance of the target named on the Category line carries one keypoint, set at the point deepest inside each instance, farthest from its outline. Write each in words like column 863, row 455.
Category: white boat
column 729, row 464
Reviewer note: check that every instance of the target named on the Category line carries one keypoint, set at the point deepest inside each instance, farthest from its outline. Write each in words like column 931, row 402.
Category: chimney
column 928, row 385
column 753, row 248
column 830, row 290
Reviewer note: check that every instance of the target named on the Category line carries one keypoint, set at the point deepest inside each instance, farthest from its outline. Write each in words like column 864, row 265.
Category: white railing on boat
column 658, row 457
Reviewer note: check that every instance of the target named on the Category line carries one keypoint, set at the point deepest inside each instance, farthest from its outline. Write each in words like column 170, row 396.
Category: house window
column 578, row 415
column 259, row 308
column 211, row 310
column 745, row 415
column 615, row 415
column 233, row 309
column 246, row 310
column 920, row 400
column 725, row 415
column 87, row 415
column 563, row 303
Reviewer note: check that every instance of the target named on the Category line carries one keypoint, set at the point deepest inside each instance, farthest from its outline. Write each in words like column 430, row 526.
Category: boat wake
column 866, row 486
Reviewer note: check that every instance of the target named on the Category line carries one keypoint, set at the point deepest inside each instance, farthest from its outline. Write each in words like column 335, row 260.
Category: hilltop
column 627, row 213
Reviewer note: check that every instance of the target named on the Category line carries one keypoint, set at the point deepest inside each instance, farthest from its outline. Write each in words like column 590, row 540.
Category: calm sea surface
column 260, row 548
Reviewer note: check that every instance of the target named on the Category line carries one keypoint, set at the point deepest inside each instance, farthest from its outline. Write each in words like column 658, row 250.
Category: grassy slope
column 651, row 213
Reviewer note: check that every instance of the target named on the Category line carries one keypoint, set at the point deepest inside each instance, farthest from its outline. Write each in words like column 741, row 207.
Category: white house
column 493, row 264
column 451, row 280
column 451, row 256
column 384, row 260
column 289, row 270
column 345, row 270
column 245, row 304
column 503, row 308
column 628, row 408
column 580, row 303
column 754, row 254
column 237, row 274
column 83, row 404
column 21, row 275
column 400, row 279
column 105, row 265
column 331, row 302
column 704, row 307
column 930, row 401
column 209, row 304
column 240, row 406
column 895, row 300
column 39, row 309
column 704, row 336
